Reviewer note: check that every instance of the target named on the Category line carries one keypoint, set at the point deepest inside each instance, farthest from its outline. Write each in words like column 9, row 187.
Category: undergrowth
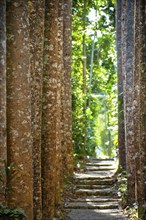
column 122, row 188
column 133, row 212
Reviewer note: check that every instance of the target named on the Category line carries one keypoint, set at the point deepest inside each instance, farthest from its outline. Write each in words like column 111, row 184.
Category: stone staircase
column 95, row 197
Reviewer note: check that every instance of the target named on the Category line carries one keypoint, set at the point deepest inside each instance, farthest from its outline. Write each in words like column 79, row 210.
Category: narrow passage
column 95, row 197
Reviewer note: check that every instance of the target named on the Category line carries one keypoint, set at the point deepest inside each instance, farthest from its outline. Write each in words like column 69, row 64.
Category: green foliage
column 100, row 99
column 79, row 162
column 133, row 214
column 142, row 212
column 122, row 182
column 11, row 213
column 7, row 175
column 136, row 212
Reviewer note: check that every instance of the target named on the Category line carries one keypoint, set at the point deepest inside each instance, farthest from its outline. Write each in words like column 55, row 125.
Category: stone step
column 96, row 159
column 94, row 181
column 92, row 205
column 100, row 173
column 94, row 192
column 94, row 199
column 91, row 175
column 95, row 196
column 92, row 186
column 99, row 168
column 97, row 164
column 96, row 214
column 106, row 162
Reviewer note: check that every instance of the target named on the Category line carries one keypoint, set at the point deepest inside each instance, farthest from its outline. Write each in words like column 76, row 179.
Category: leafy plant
column 11, row 213
column 136, row 212
column 8, row 173
column 122, row 189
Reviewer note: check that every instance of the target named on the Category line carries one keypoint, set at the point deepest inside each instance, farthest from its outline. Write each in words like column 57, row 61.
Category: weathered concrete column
column 19, row 106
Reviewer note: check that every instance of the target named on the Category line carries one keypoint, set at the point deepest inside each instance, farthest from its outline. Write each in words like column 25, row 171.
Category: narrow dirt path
column 95, row 197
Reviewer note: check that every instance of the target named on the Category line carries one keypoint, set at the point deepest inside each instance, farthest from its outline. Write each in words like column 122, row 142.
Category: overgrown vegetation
column 94, row 94
column 134, row 212
column 7, row 175
column 7, row 213
column 122, row 188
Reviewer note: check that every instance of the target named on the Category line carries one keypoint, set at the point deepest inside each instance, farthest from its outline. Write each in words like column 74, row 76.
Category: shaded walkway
column 95, row 197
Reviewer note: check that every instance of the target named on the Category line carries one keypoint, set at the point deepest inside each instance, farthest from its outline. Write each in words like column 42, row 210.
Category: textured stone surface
column 97, row 192
column 93, row 205
column 92, row 186
column 93, row 200
column 94, row 180
column 96, row 214
column 93, row 175
column 95, row 168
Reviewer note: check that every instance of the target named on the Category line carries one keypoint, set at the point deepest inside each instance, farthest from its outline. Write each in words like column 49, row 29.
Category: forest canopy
column 94, row 78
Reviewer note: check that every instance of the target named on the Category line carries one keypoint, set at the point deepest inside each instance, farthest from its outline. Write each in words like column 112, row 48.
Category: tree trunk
column 129, row 132
column 84, row 81
column 121, row 124
column 142, row 48
column 59, row 171
column 3, row 134
column 91, row 67
column 109, row 136
column 139, row 185
column 51, row 109
column 134, row 84
column 67, row 85
column 63, row 104
column 36, row 17
column 19, row 106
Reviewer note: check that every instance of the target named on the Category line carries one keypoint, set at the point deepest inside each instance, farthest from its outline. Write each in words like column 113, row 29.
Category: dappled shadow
column 95, row 196
column 96, row 214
